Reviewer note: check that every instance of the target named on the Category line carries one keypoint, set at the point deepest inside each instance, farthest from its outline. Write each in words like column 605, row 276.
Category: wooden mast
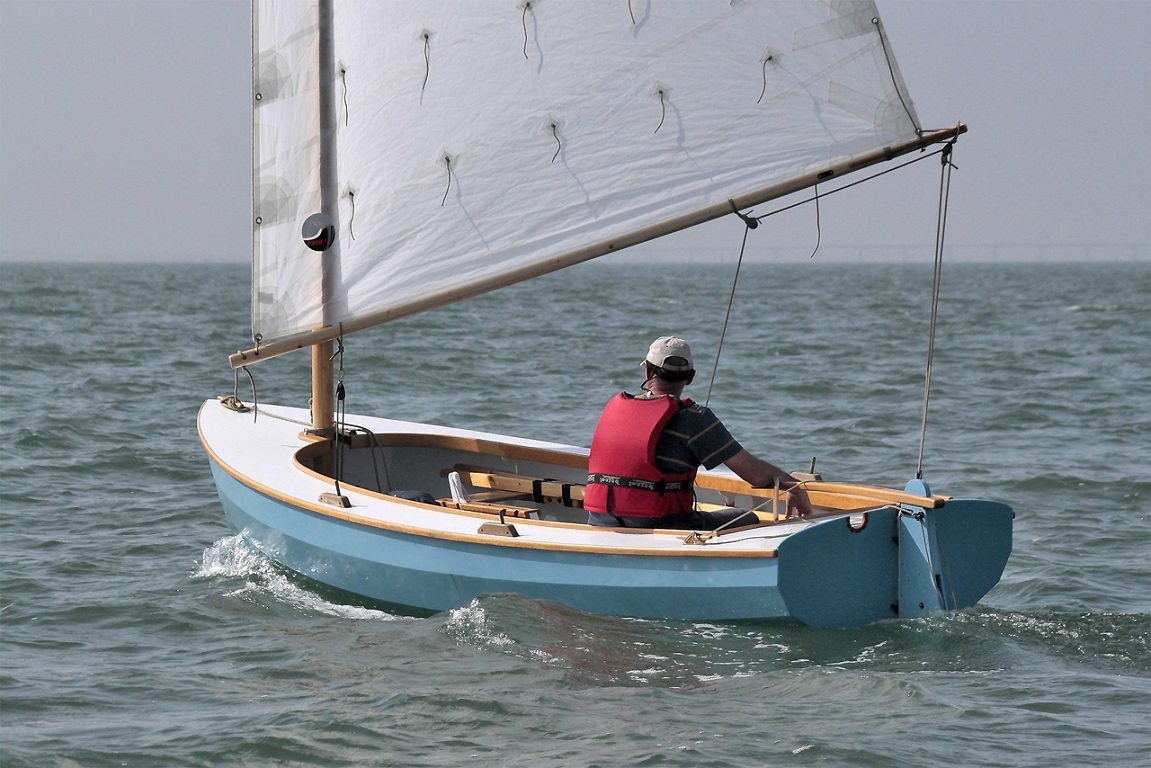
column 323, row 399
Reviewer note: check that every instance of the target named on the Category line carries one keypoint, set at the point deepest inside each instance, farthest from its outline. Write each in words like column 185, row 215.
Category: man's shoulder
column 697, row 409
column 697, row 415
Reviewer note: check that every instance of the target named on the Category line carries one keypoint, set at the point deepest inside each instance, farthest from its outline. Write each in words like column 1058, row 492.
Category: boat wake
column 246, row 573
column 1106, row 640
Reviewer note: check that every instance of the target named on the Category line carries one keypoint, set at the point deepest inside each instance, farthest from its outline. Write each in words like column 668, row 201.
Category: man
column 647, row 448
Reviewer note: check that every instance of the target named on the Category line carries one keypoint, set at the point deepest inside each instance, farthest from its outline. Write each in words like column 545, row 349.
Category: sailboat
column 407, row 155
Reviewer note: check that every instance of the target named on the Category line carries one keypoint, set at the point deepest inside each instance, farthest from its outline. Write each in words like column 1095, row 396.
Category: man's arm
column 758, row 472
column 762, row 474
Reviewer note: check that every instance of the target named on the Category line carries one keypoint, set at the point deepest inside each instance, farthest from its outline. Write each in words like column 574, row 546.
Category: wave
column 245, row 572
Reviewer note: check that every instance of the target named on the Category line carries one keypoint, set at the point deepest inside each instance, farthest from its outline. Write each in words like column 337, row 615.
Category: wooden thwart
column 538, row 490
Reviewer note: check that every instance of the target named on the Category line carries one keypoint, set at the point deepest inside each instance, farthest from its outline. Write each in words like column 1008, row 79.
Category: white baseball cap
column 671, row 353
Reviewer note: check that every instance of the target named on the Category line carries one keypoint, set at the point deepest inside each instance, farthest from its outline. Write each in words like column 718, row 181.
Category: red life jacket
column 623, row 478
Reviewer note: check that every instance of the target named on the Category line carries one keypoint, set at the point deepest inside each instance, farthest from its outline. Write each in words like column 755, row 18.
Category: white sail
column 286, row 275
column 480, row 141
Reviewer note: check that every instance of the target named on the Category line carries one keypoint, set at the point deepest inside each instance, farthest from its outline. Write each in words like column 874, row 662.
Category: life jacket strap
column 656, row 486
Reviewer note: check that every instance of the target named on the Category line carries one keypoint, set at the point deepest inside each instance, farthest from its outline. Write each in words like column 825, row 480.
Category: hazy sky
column 125, row 129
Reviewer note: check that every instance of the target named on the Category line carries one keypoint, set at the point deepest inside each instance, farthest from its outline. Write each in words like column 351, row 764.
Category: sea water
column 137, row 629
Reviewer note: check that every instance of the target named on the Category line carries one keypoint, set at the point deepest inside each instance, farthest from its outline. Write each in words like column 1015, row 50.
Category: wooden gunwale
column 845, row 496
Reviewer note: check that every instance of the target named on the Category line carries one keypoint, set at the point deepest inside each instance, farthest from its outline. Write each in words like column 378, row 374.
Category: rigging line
column 631, row 11
column 662, row 111
column 273, row 415
column 750, row 224
column 255, row 398
column 236, row 390
column 527, row 7
column 766, row 61
column 341, row 415
column 940, row 231
column 891, row 71
column 555, row 133
column 852, row 184
column 448, row 163
column 746, row 512
column 718, row 541
column 377, row 454
column 427, row 61
column 352, row 219
column 818, row 228
column 344, row 78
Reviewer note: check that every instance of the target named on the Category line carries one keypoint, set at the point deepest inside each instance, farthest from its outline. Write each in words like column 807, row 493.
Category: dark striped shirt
column 694, row 436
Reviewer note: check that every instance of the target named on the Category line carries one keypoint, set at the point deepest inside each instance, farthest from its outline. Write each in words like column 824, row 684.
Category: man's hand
column 798, row 503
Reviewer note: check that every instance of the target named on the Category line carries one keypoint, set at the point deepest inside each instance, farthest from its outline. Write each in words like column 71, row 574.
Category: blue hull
column 434, row 574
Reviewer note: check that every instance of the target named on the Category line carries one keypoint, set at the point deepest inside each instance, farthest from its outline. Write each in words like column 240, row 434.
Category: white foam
column 233, row 558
